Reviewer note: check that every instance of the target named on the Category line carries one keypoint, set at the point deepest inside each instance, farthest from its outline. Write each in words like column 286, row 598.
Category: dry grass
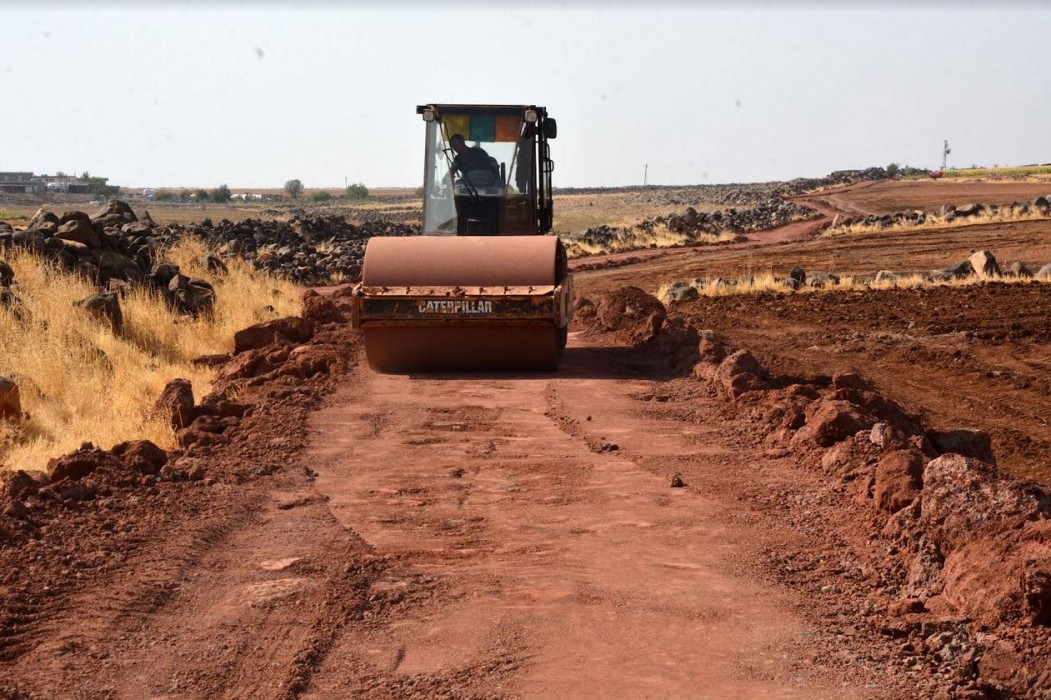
column 1008, row 172
column 80, row 383
column 640, row 239
column 1003, row 216
column 767, row 282
column 12, row 217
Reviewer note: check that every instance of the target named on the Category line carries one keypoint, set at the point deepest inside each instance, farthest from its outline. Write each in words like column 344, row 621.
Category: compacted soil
column 457, row 536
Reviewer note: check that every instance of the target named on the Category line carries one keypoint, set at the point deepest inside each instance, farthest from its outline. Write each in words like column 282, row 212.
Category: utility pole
column 646, row 175
column 945, row 153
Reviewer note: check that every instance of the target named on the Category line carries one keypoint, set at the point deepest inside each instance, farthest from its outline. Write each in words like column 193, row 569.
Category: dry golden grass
column 79, row 382
column 578, row 211
column 640, row 239
column 767, row 282
column 1022, row 171
column 1001, row 216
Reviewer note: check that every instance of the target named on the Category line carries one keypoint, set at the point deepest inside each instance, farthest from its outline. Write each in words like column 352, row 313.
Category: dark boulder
column 105, row 306
column 79, row 231
column 175, row 404
column 10, row 400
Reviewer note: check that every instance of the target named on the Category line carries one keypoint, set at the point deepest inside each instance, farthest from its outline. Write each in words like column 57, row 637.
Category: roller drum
column 439, row 303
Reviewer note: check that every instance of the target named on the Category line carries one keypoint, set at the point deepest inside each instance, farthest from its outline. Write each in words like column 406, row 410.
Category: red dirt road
column 558, row 560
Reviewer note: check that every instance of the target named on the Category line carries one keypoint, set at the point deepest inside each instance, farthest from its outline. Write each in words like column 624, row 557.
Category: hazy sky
column 253, row 95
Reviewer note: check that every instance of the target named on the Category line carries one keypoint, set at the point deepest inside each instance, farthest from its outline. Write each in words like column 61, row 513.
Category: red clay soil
column 617, row 529
column 976, row 356
column 901, row 251
column 634, row 525
column 478, row 536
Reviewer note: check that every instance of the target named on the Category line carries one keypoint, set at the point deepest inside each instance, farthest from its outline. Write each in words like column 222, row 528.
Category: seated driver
column 477, row 166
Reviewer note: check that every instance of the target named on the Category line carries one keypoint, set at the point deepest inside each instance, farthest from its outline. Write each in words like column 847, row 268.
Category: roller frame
column 424, row 306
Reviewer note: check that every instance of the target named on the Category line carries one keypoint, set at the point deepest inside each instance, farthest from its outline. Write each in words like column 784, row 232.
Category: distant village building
column 28, row 183
column 21, row 183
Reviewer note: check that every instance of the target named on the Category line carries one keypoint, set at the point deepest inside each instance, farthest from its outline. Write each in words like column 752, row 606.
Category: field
column 828, row 493
column 1022, row 171
column 891, row 196
column 574, row 211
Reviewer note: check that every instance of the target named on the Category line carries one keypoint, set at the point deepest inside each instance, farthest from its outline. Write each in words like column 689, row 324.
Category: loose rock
column 10, row 400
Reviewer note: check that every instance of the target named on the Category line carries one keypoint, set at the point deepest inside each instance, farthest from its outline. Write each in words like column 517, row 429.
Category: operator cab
column 487, row 170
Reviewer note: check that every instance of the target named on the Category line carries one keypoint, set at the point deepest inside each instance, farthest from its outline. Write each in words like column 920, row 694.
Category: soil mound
column 629, row 315
column 951, row 540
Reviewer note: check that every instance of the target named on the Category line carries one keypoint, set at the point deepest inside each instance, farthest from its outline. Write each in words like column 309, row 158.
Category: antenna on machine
column 945, row 153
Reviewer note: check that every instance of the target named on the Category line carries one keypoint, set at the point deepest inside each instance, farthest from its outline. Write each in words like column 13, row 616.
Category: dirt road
column 563, row 563
column 456, row 537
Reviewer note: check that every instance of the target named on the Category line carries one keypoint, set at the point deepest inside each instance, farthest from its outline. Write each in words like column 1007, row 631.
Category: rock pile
column 309, row 249
column 765, row 215
column 112, row 248
column 114, row 245
column 734, row 194
column 948, row 213
column 694, row 225
column 981, row 264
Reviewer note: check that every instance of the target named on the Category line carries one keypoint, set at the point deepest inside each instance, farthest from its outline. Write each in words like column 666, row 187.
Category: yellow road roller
column 486, row 287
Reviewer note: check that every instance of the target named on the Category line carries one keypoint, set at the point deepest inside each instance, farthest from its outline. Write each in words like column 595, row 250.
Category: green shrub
column 357, row 191
column 221, row 194
column 294, row 188
column 321, row 196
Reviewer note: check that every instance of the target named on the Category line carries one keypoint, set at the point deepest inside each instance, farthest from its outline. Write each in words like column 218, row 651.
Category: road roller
column 486, row 287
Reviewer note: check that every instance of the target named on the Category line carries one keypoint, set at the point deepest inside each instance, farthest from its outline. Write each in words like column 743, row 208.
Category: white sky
column 253, row 96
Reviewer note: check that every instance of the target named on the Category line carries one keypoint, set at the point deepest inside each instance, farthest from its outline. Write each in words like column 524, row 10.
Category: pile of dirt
column 956, row 558
column 627, row 316
column 964, row 355
column 74, row 522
